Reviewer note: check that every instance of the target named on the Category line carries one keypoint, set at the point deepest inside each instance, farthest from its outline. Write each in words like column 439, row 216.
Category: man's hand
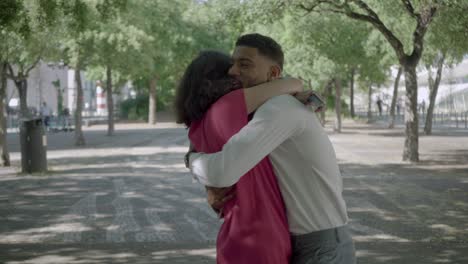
column 187, row 155
column 304, row 96
column 217, row 197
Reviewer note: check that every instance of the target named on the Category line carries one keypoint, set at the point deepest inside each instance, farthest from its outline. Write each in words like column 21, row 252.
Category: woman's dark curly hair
column 205, row 80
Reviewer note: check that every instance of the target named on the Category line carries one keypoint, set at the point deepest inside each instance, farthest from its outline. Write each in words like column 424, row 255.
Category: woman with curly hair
column 255, row 228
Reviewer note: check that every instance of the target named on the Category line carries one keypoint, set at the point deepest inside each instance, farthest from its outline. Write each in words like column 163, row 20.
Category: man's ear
column 275, row 72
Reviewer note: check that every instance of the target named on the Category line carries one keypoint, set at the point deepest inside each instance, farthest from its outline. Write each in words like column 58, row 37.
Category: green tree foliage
column 26, row 34
column 179, row 30
column 404, row 25
column 327, row 43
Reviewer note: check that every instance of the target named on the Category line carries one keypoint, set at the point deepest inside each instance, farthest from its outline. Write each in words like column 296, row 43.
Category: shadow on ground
column 403, row 213
column 142, row 207
column 99, row 139
column 140, row 253
column 411, row 253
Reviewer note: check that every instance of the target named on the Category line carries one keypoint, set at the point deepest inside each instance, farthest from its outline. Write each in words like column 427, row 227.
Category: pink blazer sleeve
column 224, row 119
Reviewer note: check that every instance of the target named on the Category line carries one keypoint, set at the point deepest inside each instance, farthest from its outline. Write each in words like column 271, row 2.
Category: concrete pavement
column 128, row 198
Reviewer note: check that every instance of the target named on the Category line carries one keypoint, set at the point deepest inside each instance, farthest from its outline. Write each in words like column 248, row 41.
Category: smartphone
column 316, row 102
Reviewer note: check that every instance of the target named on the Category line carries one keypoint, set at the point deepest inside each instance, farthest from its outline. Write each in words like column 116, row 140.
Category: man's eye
column 244, row 65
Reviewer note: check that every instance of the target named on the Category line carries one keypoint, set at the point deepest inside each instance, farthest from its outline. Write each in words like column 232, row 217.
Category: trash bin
column 33, row 146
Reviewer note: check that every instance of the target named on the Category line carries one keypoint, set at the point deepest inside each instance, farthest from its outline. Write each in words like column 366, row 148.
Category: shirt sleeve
column 273, row 123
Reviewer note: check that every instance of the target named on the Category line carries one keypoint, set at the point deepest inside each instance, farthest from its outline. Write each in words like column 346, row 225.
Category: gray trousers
column 331, row 246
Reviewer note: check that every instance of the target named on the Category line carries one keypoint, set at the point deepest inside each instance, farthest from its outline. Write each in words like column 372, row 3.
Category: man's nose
column 234, row 71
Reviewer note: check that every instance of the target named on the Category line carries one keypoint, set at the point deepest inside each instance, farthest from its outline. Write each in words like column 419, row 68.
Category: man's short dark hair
column 266, row 46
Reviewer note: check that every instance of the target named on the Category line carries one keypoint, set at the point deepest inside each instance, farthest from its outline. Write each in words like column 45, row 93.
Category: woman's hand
column 217, row 198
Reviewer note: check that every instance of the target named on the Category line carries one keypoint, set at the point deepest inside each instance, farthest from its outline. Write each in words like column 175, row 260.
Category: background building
column 56, row 85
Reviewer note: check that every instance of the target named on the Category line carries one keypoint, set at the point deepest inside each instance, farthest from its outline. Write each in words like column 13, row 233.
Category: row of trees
column 333, row 45
column 148, row 41
column 336, row 43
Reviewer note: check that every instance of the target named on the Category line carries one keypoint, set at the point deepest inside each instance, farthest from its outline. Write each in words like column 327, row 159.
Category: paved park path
column 129, row 199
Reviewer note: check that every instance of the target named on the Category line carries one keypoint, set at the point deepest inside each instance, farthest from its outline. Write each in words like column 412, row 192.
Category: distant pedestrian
column 379, row 106
column 399, row 106
column 423, row 107
column 45, row 114
column 66, row 118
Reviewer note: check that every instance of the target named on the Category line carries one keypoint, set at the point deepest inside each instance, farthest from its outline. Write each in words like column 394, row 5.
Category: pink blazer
column 255, row 229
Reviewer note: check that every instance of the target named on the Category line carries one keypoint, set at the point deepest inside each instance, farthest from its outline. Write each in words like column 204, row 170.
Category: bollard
column 33, row 144
column 456, row 119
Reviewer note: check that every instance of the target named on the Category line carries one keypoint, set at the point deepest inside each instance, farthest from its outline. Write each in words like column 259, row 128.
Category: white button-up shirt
column 302, row 156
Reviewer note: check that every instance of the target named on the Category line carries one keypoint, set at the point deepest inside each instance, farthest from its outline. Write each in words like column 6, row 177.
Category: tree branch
column 418, row 36
column 32, row 66
column 279, row 4
column 12, row 73
column 9, row 76
column 440, row 65
column 429, row 77
column 327, row 2
column 311, row 8
column 366, row 8
column 409, row 7
column 374, row 19
column 369, row 16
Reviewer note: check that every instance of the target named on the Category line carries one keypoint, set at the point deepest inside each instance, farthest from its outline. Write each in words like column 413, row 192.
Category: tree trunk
column 5, row 156
column 110, row 103
column 326, row 93
column 411, row 147
column 59, row 101
column 423, row 18
column 152, row 102
column 21, row 83
column 338, row 104
column 22, row 86
column 351, row 94
column 369, row 105
column 394, row 98
column 79, row 138
column 433, row 89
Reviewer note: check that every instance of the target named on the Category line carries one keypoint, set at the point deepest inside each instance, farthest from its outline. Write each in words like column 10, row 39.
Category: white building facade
column 48, row 82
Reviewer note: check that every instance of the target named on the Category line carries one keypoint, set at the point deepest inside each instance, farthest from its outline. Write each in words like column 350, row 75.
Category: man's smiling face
column 250, row 67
